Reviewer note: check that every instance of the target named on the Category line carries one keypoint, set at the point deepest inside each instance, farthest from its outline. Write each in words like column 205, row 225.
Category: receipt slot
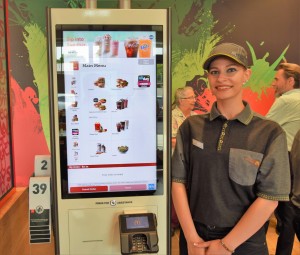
column 138, row 233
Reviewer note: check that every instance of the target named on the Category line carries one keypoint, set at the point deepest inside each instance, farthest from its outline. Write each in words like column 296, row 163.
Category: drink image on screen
column 114, row 48
column 122, row 125
column 106, row 43
column 131, row 48
column 73, row 82
column 145, row 48
column 98, row 44
column 125, row 101
column 100, row 148
column 119, row 127
column 122, row 104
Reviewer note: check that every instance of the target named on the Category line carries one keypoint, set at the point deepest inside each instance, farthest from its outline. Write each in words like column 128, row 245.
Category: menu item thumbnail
column 75, row 118
column 122, row 104
column 74, row 104
column 123, row 149
column 100, row 82
column 75, row 131
column 73, row 81
column 100, row 103
column 75, row 65
column 100, row 148
column 114, row 48
column 99, row 128
column 122, row 125
column 144, row 81
column 145, row 48
column 106, row 43
column 121, row 83
column 131, row 48
column 98, row 44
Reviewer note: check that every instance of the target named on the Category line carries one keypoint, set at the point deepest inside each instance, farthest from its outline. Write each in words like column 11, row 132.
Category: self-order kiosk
column 109, row 81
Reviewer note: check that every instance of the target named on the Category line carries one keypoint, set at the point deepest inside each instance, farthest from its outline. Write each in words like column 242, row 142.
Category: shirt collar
column 244, row 117
column 180, row 113
column 291, row 91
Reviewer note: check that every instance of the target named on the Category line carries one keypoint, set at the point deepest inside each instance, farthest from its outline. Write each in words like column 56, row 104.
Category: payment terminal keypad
column 139, row 243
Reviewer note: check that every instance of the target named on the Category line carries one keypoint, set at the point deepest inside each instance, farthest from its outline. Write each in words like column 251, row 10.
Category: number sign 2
column 42, row 165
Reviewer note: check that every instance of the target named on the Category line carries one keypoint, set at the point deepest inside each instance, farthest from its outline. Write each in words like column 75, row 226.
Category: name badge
column 198, row 144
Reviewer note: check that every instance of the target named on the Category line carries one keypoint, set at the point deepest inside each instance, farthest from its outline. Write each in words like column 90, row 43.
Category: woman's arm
column 252, row 220
column 181, row 205
column 173, row 142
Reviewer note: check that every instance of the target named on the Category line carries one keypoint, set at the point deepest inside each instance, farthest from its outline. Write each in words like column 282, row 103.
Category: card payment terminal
column 138, row 233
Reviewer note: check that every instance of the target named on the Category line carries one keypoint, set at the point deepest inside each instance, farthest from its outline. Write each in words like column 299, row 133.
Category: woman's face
column 226, row 79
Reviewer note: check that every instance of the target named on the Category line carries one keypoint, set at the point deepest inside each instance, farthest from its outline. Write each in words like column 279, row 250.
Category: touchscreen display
column 137, row 222
column 107, row 110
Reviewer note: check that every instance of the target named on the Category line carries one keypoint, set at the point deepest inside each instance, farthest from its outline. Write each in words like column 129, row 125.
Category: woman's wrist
column 226, row 247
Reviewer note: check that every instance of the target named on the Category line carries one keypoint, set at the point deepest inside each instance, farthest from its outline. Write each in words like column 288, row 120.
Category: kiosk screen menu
column 107, row 109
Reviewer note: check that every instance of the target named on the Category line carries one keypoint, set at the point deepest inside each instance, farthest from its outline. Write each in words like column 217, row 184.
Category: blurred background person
column 286, row 112
column 295, row 196
column 286, row 107
column 182, row 107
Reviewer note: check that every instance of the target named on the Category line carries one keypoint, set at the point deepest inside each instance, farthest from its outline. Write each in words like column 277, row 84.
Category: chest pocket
column 243, row 166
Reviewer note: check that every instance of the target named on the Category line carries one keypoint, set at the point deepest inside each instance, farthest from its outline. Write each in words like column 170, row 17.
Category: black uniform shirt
column 227, row 164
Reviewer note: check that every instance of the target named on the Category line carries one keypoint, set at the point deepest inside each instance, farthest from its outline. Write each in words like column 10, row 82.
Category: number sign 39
column 39, row 188
column 39, row 209
column 39, row 192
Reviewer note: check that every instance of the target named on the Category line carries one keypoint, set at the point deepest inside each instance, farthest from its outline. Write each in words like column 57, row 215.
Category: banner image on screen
column 107, row 110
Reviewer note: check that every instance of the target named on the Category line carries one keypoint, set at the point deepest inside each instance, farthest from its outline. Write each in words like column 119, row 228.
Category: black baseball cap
column 230, row 50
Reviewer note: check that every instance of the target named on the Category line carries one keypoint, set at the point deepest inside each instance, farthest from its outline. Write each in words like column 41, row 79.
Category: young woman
column 230, row 166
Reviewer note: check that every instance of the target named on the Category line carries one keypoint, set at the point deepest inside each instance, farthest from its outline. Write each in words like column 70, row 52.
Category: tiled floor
column 271, row 240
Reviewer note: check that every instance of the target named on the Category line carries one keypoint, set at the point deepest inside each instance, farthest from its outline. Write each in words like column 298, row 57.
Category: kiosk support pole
column 91, row 4
column 125, row 4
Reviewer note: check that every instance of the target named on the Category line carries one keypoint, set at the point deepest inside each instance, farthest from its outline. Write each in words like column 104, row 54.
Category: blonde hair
column 180, row 94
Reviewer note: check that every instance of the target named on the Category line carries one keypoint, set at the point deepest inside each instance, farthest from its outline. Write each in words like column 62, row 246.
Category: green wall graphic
column 197, row 26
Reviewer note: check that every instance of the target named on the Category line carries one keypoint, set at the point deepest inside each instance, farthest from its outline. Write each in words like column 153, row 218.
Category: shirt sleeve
column 178, row 160
column 273, row 180
column 276, row 113
column 174, row 127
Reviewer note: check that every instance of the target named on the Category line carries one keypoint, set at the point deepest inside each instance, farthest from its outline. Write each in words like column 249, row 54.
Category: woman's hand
column 194, row 249
column 212, row 248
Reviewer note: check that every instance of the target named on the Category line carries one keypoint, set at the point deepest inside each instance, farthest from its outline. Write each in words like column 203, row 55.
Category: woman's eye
column 231, row 70
column 214, row 72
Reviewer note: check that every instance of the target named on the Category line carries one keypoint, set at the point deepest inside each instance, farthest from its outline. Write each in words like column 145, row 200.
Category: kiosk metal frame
column 90, row 225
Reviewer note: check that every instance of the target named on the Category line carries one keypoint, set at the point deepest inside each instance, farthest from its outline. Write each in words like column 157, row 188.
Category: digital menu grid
column 109, row 110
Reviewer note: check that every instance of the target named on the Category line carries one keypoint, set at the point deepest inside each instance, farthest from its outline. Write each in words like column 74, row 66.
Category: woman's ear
column 248, row 73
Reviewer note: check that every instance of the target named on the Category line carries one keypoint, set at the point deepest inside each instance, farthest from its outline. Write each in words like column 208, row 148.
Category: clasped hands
column 213, row 247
